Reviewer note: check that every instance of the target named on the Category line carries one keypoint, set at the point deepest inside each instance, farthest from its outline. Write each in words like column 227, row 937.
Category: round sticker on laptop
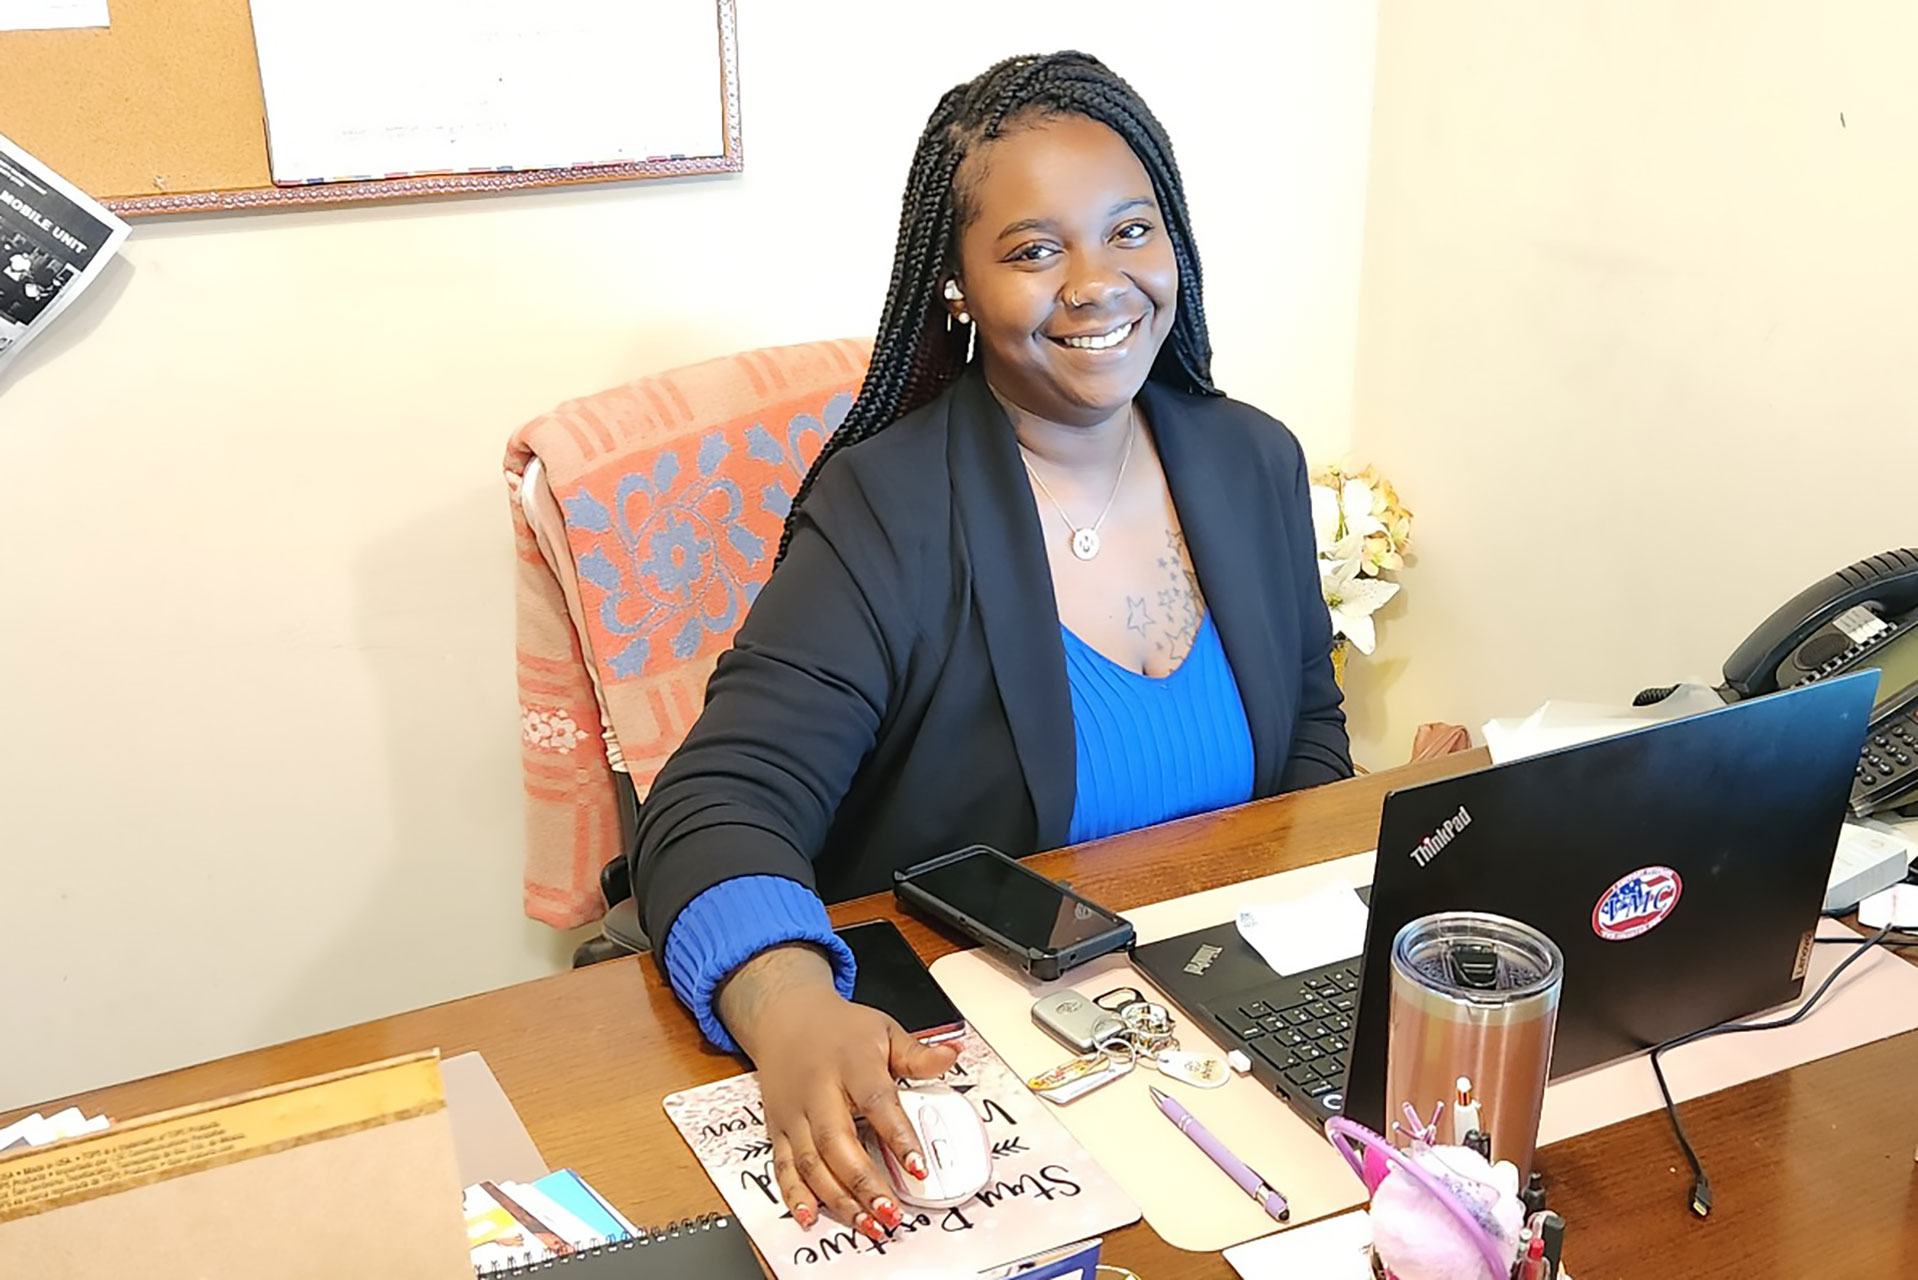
column 1639, row 902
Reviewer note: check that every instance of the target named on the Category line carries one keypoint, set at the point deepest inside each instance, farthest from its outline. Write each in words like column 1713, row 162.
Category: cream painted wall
column 1637, row 334
column 258, row 770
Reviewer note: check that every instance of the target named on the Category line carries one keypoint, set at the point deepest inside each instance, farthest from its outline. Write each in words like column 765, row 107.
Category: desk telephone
column 1862, row 617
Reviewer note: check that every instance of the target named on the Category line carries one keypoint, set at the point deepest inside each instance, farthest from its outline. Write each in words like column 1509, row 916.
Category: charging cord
column 1701, row 1185
column 1897, row 940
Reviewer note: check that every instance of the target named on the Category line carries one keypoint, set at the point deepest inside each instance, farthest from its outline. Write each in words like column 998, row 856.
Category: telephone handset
column 1862, row 617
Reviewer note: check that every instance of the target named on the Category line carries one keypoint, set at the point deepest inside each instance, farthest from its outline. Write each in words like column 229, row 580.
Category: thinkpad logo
column 1202, row 959
column 1429, row 848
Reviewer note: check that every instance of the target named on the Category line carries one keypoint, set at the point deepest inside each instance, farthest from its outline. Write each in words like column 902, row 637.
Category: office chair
column 645, row 518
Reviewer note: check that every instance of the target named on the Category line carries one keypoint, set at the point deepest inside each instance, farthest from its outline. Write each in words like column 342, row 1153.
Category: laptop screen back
column 1680, row 868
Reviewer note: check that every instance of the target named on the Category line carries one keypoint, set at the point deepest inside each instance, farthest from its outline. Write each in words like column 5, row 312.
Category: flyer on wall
column 54, row 241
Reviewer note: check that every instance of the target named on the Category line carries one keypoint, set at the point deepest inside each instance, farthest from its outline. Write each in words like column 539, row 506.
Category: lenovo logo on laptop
column 1433, row 845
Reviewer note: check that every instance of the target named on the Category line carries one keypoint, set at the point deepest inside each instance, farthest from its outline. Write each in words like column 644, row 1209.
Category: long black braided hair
column 917, row 354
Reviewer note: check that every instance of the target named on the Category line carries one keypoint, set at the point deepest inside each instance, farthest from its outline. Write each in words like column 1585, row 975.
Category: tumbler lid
column 1478, row 957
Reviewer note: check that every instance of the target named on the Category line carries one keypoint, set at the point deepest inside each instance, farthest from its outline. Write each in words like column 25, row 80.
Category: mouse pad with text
column 1045, row 1190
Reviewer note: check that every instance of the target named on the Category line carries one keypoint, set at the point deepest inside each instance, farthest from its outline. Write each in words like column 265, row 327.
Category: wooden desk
column 1811, row 1169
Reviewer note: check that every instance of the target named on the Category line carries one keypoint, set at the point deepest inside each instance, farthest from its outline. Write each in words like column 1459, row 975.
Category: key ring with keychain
column 1149, row 1028
column 1146, row 1025
column 1146, row 1030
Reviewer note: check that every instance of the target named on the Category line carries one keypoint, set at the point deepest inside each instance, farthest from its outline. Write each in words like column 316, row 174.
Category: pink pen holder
column 1374, row 1159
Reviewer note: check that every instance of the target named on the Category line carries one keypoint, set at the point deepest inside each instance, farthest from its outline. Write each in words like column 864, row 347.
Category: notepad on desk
column 559, row 1226
column 709, row 1248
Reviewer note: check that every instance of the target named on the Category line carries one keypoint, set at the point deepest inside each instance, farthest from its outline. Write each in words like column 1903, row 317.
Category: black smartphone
column 1038, row 924
column 893, row 979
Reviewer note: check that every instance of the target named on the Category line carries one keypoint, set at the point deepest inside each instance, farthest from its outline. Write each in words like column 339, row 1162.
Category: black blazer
column 899, row 686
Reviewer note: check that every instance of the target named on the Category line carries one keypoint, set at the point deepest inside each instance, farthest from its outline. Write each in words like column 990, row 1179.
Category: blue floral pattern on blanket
column 671, row 558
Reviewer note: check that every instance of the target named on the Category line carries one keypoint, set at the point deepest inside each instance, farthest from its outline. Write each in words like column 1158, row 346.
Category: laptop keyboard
column 1301, row 1025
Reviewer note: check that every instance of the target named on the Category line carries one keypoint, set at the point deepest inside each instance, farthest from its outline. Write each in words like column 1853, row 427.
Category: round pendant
column 1085, row 543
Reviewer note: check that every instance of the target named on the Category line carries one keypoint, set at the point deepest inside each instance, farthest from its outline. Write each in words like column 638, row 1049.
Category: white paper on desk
column 67, row 1121
column 38, row 1130
column 1330, row 1249
column 369, row 88
column 1896, row 906
column 1566, row 724
column 1337, row 1248
column 22, row 1130
column 1303, row 933
column 50, row 15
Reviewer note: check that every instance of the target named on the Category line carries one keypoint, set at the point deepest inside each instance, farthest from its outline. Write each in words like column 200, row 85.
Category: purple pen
column 1262, row 1192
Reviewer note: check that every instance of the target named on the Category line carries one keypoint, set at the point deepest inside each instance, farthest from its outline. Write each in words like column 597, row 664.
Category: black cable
column 1701, row 1185
column 1893, row 943
column 1899, row 937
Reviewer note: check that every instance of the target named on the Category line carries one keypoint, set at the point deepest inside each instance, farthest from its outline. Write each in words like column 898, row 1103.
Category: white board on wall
column 359, row 89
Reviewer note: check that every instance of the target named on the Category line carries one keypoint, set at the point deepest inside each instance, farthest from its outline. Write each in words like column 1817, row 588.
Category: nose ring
column 1072, row 298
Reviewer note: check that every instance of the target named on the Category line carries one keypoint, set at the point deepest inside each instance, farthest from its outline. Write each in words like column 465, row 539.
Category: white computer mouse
column 953, row 1141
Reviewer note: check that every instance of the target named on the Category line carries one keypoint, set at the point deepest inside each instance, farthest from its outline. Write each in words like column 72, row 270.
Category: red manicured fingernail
column 887, row 1212
column 803, row 1214
column 915, row 1164
column 865, row 1225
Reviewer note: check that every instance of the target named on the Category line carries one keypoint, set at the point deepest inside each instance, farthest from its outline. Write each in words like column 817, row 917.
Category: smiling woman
column 1044, row 583
column 1070, row 308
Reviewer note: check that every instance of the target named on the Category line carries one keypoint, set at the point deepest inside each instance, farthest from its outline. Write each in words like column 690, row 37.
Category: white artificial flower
column 1356, row 500
column 1352, row 599
column 1338, row 563
column 1325, row 517
column 1348, row 509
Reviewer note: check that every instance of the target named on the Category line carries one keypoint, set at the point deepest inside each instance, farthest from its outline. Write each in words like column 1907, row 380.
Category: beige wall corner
column 1636, row 335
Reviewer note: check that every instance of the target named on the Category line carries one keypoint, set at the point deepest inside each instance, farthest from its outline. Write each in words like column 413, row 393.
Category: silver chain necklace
column 1085, row 539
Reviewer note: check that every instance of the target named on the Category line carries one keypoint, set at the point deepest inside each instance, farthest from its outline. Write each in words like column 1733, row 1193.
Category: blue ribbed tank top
column 1150, row 750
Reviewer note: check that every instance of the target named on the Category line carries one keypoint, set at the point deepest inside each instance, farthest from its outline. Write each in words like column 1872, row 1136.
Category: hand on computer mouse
column 958, row 1154
column 822, row 1061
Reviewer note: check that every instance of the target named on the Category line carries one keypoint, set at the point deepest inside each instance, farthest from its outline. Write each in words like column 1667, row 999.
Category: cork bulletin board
column 162, row 112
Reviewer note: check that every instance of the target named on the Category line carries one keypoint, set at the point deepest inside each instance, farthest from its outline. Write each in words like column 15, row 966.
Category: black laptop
column 1681, row 869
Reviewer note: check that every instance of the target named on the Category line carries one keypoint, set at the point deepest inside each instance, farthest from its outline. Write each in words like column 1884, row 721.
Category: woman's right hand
column 822, row 1061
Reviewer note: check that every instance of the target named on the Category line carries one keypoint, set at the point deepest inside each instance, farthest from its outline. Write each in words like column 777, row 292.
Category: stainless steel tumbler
column 1474, row 995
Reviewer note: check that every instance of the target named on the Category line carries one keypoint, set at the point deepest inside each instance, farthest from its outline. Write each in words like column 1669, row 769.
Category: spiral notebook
column 708, row 1248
